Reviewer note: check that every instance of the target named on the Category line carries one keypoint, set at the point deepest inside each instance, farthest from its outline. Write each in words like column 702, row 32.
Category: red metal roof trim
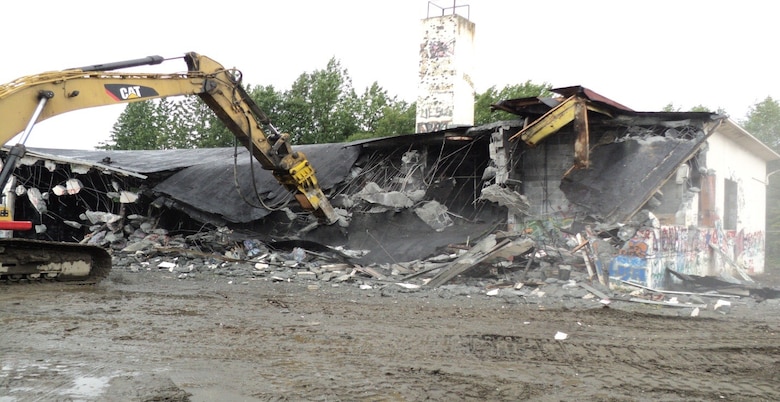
column 574, row 90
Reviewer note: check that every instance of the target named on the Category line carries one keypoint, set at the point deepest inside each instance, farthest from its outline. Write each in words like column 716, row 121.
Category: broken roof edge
column 73, row 161
column 567, row 92
column 454, row 133
column 535, row 105
column 431, row 136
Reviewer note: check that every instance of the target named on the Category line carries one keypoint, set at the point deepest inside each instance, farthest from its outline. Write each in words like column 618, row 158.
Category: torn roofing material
column 214, row 182
column 247, row 193
column 142, row 162
column 624, row 175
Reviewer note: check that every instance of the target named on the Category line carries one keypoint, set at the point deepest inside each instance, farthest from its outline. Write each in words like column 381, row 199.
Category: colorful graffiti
column 645, row 257
column 636, row 248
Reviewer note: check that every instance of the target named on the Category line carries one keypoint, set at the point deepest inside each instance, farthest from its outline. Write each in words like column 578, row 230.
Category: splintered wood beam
column 582, row 142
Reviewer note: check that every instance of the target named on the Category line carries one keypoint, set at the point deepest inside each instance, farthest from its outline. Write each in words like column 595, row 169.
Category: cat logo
column 120, row 92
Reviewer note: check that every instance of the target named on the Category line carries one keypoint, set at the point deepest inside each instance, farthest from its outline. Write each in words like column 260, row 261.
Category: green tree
column 381, row 115
column 763, row 121
column 371, row 106
column 700, row 108
column 482, row 111
column 195, row 125
column 670, row 107
column 168, row 123
column 269, row 100
column 138, row 127
column 397, row 118
column 321, row 106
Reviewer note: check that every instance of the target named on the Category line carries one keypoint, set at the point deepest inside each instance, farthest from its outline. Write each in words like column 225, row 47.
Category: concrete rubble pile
column 511, row 267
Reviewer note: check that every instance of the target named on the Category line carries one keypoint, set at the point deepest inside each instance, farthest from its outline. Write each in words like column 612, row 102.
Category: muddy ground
column 148, row 336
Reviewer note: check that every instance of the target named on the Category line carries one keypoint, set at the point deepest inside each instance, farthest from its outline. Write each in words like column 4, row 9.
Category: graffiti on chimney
column 435, row 112
column 438, row 49
column 432, row 126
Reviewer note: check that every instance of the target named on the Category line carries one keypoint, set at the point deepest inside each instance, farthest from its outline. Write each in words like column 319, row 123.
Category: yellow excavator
column 32, row 99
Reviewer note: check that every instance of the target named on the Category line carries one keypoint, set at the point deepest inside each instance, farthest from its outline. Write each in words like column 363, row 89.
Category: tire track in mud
column 647, row 369
column 341, row 345
column 304, row 350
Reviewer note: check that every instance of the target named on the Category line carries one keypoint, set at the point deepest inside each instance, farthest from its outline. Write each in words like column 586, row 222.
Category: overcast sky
column 642, row 54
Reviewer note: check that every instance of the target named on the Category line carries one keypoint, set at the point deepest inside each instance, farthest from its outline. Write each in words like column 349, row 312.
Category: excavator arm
column 29, row 100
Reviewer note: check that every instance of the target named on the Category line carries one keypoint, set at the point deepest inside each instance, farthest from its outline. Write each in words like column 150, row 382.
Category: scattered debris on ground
column 499, row 265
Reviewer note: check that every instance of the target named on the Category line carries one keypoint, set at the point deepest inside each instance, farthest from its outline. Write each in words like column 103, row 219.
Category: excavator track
column 27, row 260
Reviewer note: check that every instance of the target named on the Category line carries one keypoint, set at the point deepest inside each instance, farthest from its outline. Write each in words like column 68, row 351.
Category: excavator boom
column 32, row 99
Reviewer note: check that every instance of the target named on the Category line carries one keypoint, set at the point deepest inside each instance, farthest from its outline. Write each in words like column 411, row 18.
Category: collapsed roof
column 210, row 183
column 407, row 196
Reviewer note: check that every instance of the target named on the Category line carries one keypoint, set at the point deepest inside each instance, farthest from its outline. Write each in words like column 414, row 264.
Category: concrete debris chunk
column 349, row 253
column 58, row 190
column 307, row 275
column 73, row 224
column 127, row 197
column 434, row 215
column 73, row 186
column 79, row 168
column 374, row 194
column 37, row 201
column 166, row 265
column 722, row 306
column 101, row 217
column 505, row 197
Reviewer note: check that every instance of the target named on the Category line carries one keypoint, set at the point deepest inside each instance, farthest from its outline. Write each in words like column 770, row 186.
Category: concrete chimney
column 445, row 93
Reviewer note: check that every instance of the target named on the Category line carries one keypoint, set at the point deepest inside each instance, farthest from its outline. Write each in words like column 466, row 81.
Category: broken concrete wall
column 677, row 201
column 540, row 171
column 718, row 201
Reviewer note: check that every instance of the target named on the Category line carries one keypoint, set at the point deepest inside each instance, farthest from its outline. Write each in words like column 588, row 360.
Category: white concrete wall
column 445, row 91
column 731, row 161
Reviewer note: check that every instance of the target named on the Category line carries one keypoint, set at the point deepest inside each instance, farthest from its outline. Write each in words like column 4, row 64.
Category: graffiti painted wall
column 704, row 252
column 445, row 91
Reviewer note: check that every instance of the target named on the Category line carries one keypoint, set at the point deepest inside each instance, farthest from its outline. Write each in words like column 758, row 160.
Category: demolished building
column 635, row 196
column 681, row 192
